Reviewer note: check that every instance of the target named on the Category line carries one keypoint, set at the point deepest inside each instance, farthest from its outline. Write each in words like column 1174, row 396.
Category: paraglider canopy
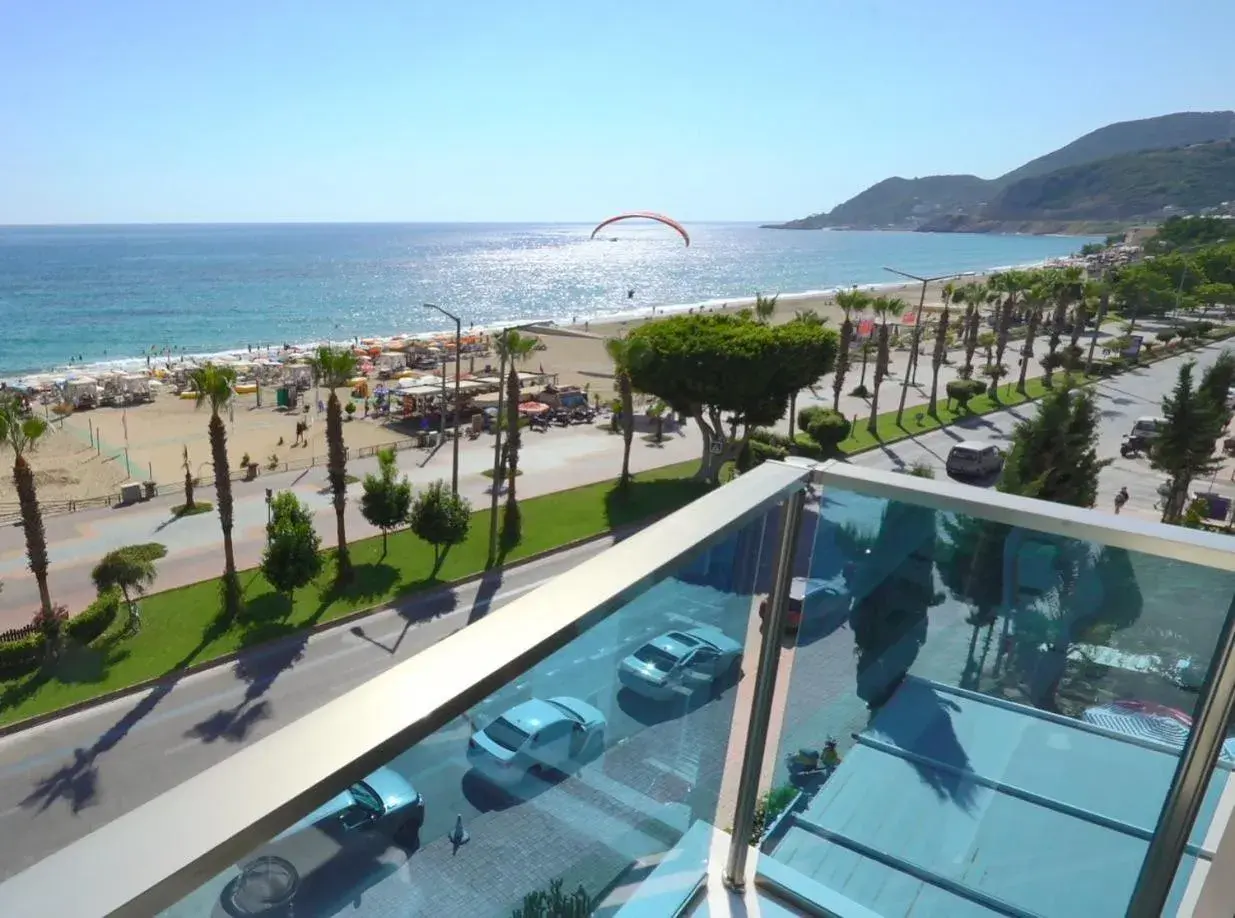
column 644, row 215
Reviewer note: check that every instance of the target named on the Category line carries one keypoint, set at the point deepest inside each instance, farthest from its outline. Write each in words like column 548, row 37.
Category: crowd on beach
column 139, row 437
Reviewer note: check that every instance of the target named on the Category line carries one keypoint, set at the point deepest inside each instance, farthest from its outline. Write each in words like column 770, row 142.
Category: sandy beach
column 85, row 456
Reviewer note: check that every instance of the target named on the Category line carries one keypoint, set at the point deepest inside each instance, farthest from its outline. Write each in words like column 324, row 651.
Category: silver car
column 972, row 458
column 558, row 734
column 349, row 827
column 681, row 663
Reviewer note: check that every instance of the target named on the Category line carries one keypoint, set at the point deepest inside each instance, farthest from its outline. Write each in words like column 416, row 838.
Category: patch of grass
column 917, row 420
column 182, row 627
column 488, row 473
column 199, row 506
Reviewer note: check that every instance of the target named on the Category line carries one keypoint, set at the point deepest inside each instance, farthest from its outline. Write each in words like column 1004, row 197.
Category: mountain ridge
column 934, row 202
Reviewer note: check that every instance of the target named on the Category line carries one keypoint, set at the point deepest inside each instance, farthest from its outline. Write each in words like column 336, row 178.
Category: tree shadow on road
column 490, row 583
column 76, row 782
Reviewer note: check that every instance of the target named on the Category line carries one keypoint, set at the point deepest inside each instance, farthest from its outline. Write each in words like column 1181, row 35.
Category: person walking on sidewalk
column 1120, row 499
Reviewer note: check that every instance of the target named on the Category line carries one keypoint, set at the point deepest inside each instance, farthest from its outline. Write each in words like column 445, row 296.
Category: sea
column 110, row 295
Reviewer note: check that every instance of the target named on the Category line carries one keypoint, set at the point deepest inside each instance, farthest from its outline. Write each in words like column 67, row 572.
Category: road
column 1120, row 402
column 69, row 776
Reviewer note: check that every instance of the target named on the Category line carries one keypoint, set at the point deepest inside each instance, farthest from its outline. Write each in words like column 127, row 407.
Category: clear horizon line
column 135, row 223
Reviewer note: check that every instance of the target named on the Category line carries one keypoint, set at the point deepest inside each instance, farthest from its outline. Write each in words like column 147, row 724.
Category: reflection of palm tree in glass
column 893, row 587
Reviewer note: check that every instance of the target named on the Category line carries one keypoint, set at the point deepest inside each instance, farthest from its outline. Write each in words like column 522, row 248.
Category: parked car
column 558, row 734
column 358, row 823
column 812, row 601
column 974, row 459
column 681, row 662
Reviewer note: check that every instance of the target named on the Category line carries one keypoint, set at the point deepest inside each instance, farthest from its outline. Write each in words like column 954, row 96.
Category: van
column 975, row 459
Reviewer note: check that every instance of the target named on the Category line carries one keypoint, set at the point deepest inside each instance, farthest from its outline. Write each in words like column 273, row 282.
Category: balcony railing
column 1024, row 697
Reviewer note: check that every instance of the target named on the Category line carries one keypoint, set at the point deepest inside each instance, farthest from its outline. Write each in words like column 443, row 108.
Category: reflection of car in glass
column 812, row 601
column 558, row 734
column 363, row 820
column 680, row 662
column 973, row 458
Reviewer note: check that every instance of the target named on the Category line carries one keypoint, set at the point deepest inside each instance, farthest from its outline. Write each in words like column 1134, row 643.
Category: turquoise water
column 107, row 293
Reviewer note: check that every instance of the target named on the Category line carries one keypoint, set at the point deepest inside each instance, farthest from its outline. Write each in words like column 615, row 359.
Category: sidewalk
column 554, row 461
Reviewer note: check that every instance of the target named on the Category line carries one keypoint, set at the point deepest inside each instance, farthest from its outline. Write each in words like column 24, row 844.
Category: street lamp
column 911, row 371
column 454, row 472
column 497, row 441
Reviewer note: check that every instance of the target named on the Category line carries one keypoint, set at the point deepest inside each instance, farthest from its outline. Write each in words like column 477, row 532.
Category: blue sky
column 479, row 110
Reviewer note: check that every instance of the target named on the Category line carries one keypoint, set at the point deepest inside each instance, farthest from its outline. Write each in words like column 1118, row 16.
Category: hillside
column 940, row 200
column 1120, row 188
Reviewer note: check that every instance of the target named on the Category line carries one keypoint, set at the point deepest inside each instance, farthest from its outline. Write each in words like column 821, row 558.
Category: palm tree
column 1035, row 298
column 21, row 433
column 1067, row 287
column 882, row 307
column 850, row 302
column 937, row 357
column 514, row 347
column 941, row 348
column 619, row 352
column 765, row 307
column 1101, row 290
column 214, row 385
column 334, row 367
column 974, row 298
column 1007, row 288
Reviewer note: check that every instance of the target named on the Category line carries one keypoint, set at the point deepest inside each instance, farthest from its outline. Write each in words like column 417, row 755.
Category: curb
column 263, row 649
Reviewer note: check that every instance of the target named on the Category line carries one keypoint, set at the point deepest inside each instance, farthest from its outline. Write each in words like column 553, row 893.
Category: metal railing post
column 765, row 687
column 1196, row 764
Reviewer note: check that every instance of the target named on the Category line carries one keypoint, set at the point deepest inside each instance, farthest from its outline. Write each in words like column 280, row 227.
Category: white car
column 680, row 663
column 558, row 734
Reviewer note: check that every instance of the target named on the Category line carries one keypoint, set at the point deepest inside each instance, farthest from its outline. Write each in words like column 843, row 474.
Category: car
column 972, row 458
column 1148, row 428
column 813, row 598
column 556, row 734
column 680, row 663
column 359, row 822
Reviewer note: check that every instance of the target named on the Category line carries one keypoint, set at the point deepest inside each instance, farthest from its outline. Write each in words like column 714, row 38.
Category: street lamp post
column 454, row 469
column 911, row 371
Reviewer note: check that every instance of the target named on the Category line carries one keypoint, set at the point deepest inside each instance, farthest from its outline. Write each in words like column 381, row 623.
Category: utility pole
column 454, row 470
column 911, row 371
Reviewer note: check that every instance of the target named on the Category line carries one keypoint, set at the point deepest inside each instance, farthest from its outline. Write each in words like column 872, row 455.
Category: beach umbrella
column 533, row 408
column 1145, row 720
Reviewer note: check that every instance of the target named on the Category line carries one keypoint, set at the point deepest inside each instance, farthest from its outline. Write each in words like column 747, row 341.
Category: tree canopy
column 1054, row 454
column 441, row 517
column 1184, row 447
column 728, row 370
column 291, row 557
column 387, row 498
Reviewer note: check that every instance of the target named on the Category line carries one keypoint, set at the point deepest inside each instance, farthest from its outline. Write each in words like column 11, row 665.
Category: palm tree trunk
column 1027, row 351
column 842, row 362
column 971, row 339
column 223, row 492
column 32, row 526
column 881, row 363
column 1097, row 327
column 336, row 470
column 628, row 425
column 512, row 434
column 793, row 410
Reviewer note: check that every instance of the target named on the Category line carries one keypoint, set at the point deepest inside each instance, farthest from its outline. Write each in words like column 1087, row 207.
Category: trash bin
column 281, row 399
column 152, row 489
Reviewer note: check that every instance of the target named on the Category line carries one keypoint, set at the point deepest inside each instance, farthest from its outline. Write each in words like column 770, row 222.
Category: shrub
column 96, row 618
column 23, row 655
column 756, row 452
column 1166, row 335
column 827, row 428
column 922, row 469
column 859, row 391
column 769, row 806
column 771, row 438
column 245, row 460
column 350, row 408
column 962, row 390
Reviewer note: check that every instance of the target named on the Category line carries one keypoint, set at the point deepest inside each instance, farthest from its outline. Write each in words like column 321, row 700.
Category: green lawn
column 181, row 627
column 917, row 421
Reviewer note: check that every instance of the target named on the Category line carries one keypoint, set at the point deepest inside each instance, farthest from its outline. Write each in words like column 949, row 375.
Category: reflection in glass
column 597, row 768
column 1008, row 705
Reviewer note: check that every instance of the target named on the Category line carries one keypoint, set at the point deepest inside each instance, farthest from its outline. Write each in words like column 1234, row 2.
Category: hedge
column 22, row 655
column 97, row 616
